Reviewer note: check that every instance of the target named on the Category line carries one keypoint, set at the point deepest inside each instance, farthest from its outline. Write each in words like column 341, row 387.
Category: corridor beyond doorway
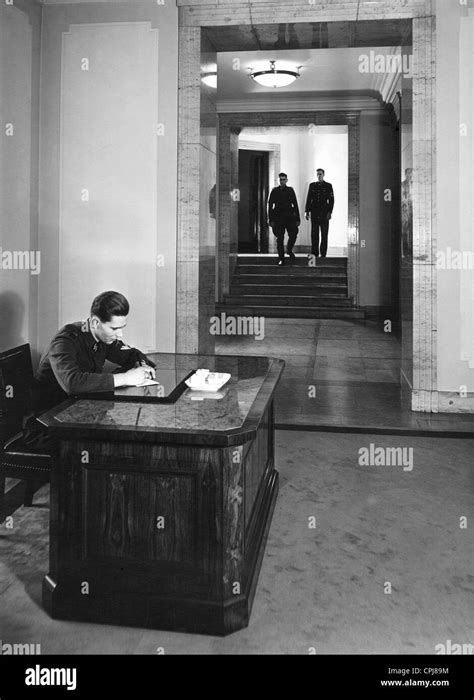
column 297, row 150
column 340, row 375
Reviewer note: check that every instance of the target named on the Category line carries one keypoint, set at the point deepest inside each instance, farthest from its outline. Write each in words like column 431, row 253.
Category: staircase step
column 301, row 261
column 291, row 312
column 295, row 270
column 312, row 289
column 260, row 287
column 287, row 278
column 263, row 300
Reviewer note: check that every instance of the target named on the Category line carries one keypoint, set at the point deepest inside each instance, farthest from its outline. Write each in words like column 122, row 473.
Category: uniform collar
column 92, row 342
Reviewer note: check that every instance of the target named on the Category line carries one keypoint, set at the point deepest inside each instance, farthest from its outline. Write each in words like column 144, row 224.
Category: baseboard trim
column 442, row 402
column 370, row 430
column 453, row 402
column 381, row 313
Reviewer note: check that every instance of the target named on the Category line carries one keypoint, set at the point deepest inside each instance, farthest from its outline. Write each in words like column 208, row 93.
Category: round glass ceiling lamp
column 274, row 77
column 210, row 79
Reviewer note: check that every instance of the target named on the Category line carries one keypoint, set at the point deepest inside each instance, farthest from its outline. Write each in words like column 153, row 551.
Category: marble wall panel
column 207, row 202
column 227, row 232
column 224, row 12
column 196, row 257
column 424, row 218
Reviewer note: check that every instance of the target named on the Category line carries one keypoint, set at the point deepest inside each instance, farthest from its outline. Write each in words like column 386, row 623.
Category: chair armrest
column 9, row 447
column 11, row 440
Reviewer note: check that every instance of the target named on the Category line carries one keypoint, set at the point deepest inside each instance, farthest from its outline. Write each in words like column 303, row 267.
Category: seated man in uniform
column 73, row 363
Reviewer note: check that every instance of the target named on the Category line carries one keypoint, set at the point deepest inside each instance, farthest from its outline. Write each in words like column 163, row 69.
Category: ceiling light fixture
column 274, row 77
column 209, row 79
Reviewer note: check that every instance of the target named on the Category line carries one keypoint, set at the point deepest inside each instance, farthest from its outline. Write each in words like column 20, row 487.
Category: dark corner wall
column 20, row 268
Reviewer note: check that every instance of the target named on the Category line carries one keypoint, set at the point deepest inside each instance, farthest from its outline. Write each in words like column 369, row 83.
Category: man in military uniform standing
column 73, row 363
column 284, row 215
column 319, row 205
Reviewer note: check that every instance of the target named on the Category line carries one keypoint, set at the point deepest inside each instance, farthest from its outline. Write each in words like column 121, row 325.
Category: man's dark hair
column 282, row 175
column 109, row 304
column 320, row 170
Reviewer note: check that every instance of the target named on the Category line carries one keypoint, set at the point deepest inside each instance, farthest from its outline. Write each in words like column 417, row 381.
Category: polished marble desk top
column 231, row 419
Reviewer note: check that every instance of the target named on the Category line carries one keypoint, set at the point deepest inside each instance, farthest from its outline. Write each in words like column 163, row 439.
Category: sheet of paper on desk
column 148, row 382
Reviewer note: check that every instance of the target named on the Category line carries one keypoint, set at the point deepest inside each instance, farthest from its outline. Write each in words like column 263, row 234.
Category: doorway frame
column 419, row 365
column 230, row 123
column 274, row 157
column 261, row 211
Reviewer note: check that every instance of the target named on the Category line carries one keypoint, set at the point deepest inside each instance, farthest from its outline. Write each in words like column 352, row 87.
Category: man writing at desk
column 74, row 361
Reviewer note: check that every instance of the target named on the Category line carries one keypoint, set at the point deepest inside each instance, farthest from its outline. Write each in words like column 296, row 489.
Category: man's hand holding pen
column 149, row 371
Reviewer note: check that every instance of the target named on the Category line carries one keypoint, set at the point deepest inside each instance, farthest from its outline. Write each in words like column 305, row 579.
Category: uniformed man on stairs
column 319, row 205
column 284, row 215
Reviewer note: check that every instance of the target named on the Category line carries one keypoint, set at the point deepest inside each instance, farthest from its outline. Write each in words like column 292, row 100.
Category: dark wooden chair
column 17, row 460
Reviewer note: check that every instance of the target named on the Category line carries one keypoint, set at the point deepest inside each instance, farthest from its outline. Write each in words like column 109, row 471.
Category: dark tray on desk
column 145, row 394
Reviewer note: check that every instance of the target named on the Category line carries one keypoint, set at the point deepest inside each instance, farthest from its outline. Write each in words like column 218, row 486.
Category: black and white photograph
column 237, row 337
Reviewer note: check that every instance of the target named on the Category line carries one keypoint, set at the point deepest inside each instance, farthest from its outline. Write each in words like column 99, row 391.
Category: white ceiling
column 323, row 70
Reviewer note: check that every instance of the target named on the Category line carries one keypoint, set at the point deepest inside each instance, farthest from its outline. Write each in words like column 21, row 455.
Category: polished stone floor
column 386, row 569
column 340, row 375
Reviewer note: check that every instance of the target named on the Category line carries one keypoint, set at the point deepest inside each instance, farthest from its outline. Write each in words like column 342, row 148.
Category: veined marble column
column 228, row 206
column 187, row 253
column 196, row 227
column 466, row 185
column 424, row 397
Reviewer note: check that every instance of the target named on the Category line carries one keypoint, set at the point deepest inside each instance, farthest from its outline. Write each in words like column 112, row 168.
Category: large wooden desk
column 160, row 512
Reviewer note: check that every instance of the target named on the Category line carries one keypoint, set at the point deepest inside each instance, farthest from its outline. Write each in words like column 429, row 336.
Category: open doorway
column 325, row 320
column 384, row 26
column 303, row 138
column 300, row 150
column 253, row 187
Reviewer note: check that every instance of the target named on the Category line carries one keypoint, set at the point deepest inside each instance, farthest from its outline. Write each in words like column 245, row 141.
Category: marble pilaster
column 228, row 205
column 187, row 263
column 424, row 218
column 466, row 182
column 196, row 178
column 406, row 262
column 353, row 210
column 207, row 199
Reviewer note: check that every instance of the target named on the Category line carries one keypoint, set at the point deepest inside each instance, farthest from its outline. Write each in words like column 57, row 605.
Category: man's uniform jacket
column 283, row 205
column 73, row 364
column 320, row 200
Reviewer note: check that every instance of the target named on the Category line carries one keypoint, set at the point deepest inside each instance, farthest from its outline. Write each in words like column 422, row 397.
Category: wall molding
column 299, row 104
column 258, row 145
